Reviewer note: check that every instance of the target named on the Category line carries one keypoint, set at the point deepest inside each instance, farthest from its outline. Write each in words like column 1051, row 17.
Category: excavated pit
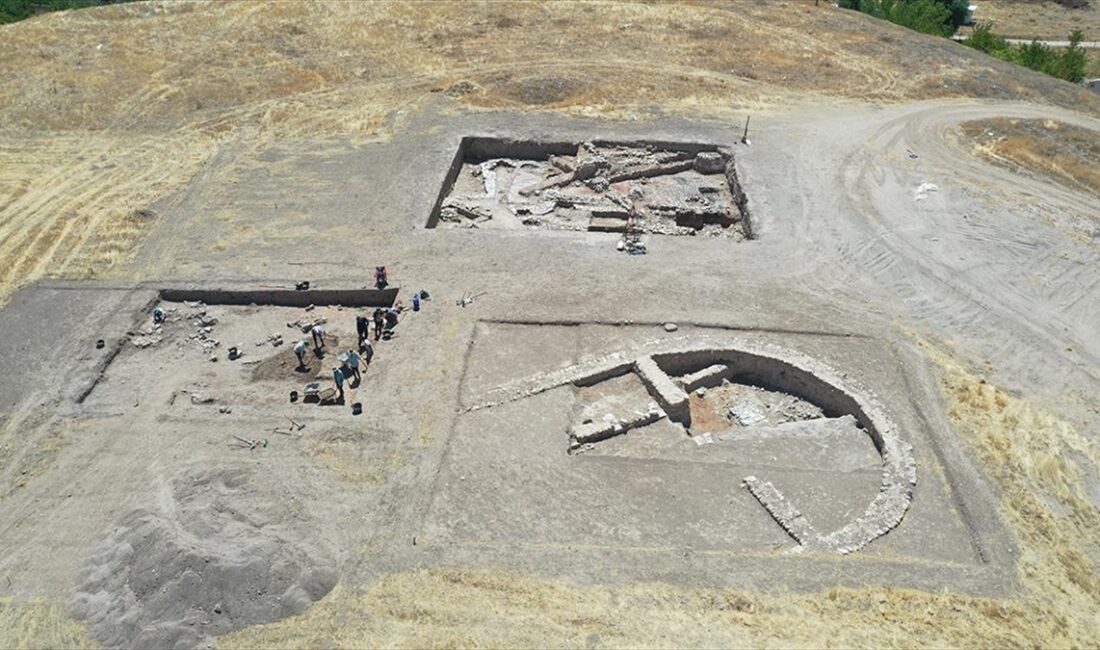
column 259, row 322
column 808, row 402
column 665, row 188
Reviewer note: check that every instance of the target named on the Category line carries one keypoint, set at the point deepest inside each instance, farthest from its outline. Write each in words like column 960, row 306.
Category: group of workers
column 384, row 320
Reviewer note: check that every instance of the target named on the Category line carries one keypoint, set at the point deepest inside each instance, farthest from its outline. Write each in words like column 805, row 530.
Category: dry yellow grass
column 1038, row 462
column 1065, row 153
column 39, row 623
column 1044, row 19
column 108, row 111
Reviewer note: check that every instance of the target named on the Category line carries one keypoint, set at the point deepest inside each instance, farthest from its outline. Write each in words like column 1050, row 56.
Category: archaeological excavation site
column 583, row 325
column 637, row 187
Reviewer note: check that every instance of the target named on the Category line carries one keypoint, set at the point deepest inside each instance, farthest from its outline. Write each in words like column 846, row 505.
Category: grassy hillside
column 1044, row 19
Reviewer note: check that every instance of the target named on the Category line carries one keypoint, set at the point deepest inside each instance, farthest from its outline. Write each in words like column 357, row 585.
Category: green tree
column 16, row 10
column 1071, row 63
column 983, row 38
column 958, row 10
column 926, row 16
column 13, row 10
column 941, row 17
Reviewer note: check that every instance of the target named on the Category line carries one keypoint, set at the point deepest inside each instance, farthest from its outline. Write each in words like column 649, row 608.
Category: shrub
column 983, row 38
column 15, row 10
column 940, row 17
column 1069, row 64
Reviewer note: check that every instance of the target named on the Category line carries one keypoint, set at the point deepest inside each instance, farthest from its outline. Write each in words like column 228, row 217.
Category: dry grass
column 1044, row 19
column 108, row 110
column 76, row 204
column 40, row 624
column 1039, row 463
column 1065, row 153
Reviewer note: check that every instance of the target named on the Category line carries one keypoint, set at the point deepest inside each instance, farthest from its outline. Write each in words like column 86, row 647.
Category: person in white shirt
column 300, row 350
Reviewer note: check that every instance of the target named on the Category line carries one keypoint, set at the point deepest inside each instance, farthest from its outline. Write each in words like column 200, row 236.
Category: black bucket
column 293, row 396
column 99, row 344
column 356, row 408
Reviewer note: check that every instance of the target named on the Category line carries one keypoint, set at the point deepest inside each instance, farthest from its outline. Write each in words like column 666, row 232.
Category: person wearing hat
column 353, row 365
column 338, row 377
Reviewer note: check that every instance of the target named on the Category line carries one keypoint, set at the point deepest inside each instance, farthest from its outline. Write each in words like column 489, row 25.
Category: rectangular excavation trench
column 637, row 187
column 233, row 298
column 284, row 297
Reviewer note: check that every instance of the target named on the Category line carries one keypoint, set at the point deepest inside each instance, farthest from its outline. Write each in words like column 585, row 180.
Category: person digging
column 391, row 317
column 352, row 372
column 318, row 333
column 300, row 351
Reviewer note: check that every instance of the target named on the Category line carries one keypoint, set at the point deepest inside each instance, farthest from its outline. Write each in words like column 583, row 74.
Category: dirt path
column 1005, row 262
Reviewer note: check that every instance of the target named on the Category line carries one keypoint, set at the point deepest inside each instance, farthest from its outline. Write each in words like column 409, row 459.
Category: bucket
column 99, row 344
column 357, row 408
column 293, row 396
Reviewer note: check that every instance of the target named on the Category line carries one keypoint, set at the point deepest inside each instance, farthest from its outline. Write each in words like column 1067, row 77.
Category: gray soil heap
column 211, row 559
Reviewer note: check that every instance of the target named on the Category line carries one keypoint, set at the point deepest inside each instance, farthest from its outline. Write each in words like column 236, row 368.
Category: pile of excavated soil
column 216, row 556
column 284, row 365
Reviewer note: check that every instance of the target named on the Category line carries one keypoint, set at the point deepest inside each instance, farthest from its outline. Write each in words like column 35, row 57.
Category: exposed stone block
column 709, row 162
column 668, row 394
column 706, row 378
column 606, row 428
column 782, row 510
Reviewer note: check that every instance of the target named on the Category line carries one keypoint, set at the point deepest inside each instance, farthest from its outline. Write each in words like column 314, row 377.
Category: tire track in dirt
column 1052, row 318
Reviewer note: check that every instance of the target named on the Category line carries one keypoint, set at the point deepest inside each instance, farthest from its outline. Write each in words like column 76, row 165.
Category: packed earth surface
column 709, row 324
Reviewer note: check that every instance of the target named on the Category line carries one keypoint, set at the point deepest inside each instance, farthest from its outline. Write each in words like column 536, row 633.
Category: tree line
column 943, row 18
column 15, row 10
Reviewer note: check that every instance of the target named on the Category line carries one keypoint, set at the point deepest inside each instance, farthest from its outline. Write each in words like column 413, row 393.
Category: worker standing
column 367, row 348
column 362, row 328
column 379, row 315
column 353, row 365
column 300, row 352
column 318, row 336
column 338, row 377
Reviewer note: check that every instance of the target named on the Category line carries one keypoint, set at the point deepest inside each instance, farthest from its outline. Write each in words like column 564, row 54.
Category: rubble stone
column 709, row 162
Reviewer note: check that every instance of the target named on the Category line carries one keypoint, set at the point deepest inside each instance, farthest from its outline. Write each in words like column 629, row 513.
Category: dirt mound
column 217, row 556
column 284, row 365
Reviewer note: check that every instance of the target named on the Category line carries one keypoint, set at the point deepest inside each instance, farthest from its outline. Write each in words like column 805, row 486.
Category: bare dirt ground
column 248, row 146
